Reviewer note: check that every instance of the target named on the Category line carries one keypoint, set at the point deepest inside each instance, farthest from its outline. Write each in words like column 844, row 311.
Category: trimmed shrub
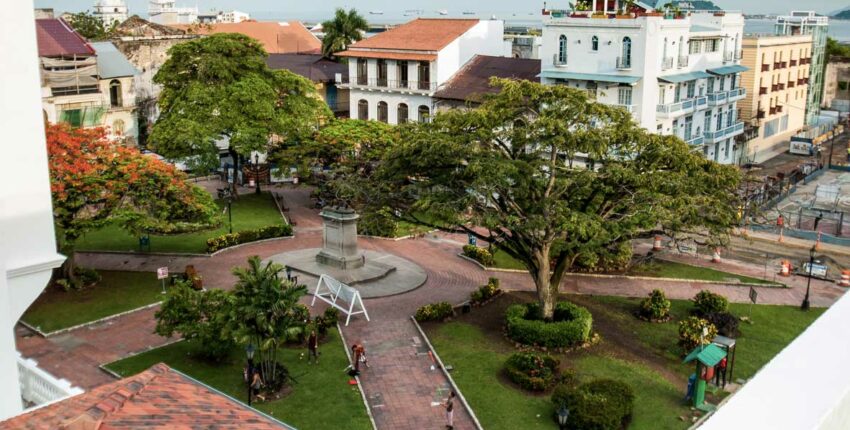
column 706, row 302
column 532, row 371
column 232, row 239
column 690, row 333
column 602, row 404
column 434, row 312
column 726, row 323
column 656, row 307
column 486, row 292
column 571, row 325
column 481, row 255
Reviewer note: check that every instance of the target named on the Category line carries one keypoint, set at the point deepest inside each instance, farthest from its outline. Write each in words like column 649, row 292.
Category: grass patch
column 115, row 293
column 672, row 269
column 306, row 407
column 250, row 212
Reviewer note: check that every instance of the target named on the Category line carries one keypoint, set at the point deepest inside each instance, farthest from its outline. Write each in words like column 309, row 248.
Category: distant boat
column 407, row 14
column 443, row 12
column 468, row 12
column 376, row 12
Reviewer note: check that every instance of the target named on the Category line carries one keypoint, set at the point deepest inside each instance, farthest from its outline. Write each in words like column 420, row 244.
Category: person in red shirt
column 721, row 372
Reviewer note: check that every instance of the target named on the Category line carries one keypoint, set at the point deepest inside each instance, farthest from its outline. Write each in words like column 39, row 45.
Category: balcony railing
column 791, row 84
column 760, row 114
column 802, row 81
column 776, row 65
column 387, row 84
column 666, row 63
column 783, row 65
column 778, row 108
column 772, row 111
column 73, row 91
column 731, row 131
column 722, row 97
column 774, row 88
column 683, row 61
column 762, row 91
column 624, row 63
column 793, row 63
column 681, row 108
column 695, row 140
column 765, row 67
column 781, row 86
column 39, row 387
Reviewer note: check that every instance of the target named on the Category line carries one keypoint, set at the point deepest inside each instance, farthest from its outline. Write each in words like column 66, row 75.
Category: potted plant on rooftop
column 580, row 6
column 625, row 11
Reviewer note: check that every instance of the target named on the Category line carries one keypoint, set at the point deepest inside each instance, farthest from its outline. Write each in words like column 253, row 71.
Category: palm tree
column 265, row 313
column 345, row 29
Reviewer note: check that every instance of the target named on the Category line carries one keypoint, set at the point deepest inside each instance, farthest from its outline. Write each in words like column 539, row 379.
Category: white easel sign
column 340, row 296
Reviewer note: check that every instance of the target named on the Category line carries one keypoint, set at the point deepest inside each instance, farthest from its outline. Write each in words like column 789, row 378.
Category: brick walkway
column 400, row 385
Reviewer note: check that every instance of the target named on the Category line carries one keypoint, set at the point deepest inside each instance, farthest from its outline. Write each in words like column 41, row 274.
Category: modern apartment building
column 111, row 12
column 808, row 22
column 393, row 76
column 777, row 91
column 678, row 73
column 166, row 12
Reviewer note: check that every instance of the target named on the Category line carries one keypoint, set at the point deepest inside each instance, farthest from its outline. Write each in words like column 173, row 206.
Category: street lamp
column 249, row 351
column 563, row 415
column 257, row 172
column 805, row 305
column 229, row 199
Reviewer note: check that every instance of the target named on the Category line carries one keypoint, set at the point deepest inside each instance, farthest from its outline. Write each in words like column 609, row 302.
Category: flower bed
column 232, row 239
column 480, row 255
column 570, row 326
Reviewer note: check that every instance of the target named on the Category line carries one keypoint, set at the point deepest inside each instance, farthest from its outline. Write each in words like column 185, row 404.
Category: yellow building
column 777, row 88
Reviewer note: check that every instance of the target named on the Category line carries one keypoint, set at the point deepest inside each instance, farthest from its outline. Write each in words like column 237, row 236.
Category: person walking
column 450, row 408
column 256, row 385
column 355, row 349
column 313, row 347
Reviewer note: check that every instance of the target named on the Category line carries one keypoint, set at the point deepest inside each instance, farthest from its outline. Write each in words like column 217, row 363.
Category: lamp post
column 249, row 351
column 257, row 172
column 563, row 415
column 229, row 199
column 805, row 305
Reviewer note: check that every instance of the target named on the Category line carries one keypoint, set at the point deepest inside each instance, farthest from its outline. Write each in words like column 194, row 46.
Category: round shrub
column 486, row 292
column 481, row 255
column 691, row 333
column 532, row 371
column 726, row 323
column 706, row 302
column 602, row 404
column 570, row 325
column 656, row 307
column 434, row 312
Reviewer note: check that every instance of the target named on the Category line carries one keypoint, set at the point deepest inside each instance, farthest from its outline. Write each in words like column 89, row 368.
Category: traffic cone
column 845, row 278
column 656, row 244
column 785, row 268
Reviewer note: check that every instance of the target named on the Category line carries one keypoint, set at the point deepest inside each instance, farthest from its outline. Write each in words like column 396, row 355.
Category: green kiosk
column 707, row 357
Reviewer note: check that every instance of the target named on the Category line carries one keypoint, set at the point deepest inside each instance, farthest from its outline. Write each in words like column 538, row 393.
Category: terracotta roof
column 311, row 66
column 158, row 398
column 277, row 37
column 473, row 80
column 57, row 38
column 389, row 55
column 418, row 35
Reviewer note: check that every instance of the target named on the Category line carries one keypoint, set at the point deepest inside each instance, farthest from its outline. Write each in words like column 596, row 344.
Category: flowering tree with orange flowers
column 95, row 181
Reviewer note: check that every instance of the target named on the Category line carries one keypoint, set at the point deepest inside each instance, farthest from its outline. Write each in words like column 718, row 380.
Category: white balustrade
column 39, row 387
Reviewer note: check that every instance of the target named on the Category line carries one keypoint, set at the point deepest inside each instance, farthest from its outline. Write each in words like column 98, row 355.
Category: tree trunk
column 546, row 295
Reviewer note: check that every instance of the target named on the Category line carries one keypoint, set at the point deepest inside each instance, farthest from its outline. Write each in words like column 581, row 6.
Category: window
column 402, row 113
column 402, row 74
column 691, row 88
column 562, row 49
column 722, row 83
column 624, row 96
column 711, row 45
column 730, row 116
column 661, row 95
column 383, row 112
column 677, row 93
column 594, row 43
column 664, row 50
column 710, row 85
column 627, row 51
column 719, row 121
column 362, row 71
column 783, row 123
column 424, row 113
column 424, row 75
column 118, row 127
column 115, row 93
column 382, row 73
column 707, row 122
column 694, row 46
column 689, row 127
column 363, row 110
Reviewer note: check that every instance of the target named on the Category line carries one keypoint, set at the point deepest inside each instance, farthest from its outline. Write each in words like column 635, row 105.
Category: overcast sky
column 300, row 8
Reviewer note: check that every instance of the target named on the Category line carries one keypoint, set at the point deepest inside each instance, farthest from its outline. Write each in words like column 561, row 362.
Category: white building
column 166, row 12
column 28, row 252
column 111, row 12
column 393, row 76
column 676, row 73
column 223, row 17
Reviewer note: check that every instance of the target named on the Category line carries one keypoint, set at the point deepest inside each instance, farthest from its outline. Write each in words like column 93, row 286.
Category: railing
column 733, row 130
column 721, row 97
column 793, row 63
column 624, row 63
column 760, row 114
column 772, row 111
column 683, row 61
column 73, row 91
column 791, row 84
column 774, row 87
column 695, row 141
column 628, row 108
column 779, row 108
column 39, row 387
column 404, row 85
column 783, row 65
column 682, row 107
column 762, row 91
column 803, row 81
column 666, row 63
column 781, row 86
column 776, row 65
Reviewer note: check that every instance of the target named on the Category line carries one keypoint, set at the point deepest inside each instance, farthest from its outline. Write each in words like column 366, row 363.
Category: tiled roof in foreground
column 158, row 398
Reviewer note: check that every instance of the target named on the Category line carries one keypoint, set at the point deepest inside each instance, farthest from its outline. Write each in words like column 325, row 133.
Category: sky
column 306, row 9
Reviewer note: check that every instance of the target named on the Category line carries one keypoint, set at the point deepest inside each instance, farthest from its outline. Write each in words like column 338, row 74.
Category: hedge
column 602, row 404
column 232, row 239
column 571, row 325
column 434, row 312
column 480, row 255
column 486, row 292
column 532, row 371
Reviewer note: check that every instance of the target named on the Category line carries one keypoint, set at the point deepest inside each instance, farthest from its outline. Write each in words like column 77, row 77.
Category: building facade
column 393, row 76
column 111, row 12
column 677, row 73
column 166, row 12
column 809, row 22
column 117, row 79
column 836, row 88
column 777, row 92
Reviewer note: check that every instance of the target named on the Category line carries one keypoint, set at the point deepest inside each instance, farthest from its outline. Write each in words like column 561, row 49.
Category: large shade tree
column 343, row 30
column 219, row 89
column 91, row 26
column 555, row 180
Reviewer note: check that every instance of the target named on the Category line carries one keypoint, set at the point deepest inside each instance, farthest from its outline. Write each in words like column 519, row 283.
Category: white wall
column 485, row 38
column 413, row 102
column 28, row 252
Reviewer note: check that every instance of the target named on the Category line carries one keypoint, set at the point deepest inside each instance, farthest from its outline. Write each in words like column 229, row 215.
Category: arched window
column 594, row 43
column 627, row 51
column 118, row 127
column 424, row 113
column 562, row 49
column 402, row 113
column 383, row 112
column 363, row 110
column 115, row 93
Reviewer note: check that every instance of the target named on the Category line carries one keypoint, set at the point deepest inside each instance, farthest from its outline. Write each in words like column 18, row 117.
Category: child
column 313, row 346
column 450, row 407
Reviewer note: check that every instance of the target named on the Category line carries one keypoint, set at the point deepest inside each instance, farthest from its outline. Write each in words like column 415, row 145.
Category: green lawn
column 115, row 293
column 321, row 399
column 250, row 211
column 671, row 269
column 631, row 350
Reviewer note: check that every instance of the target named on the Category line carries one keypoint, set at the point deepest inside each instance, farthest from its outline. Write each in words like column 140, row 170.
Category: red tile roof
column 158, row 398
column 418, row 35
column 57, row 38
column 277, row 37
column 472, row 82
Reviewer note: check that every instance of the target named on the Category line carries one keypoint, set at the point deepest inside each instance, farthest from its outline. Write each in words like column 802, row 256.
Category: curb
column 357, row 378
column 186, row 255
column 86, row 324
column 396, row 239
column 133, row 354
column 448, row 376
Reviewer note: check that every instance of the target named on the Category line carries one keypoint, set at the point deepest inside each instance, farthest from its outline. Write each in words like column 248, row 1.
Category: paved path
column 400, row 385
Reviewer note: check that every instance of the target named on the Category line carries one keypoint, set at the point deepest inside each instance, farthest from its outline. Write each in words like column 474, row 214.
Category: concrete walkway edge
column 356, row 378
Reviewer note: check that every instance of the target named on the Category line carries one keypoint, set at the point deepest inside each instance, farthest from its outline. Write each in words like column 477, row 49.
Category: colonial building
column 809, row 22
column 111, row 12
column 777, row 90
column 678, row 73
column 393, row 76
column 117, row 81
column 469, row 86
column 322, row 72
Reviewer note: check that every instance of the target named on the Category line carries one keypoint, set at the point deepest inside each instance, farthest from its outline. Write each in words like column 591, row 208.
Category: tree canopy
column 343, row 30
column 90, row 26
column 554, row 179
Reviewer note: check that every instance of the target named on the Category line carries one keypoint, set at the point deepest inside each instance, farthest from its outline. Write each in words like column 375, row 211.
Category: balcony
column 765, row 67
column 723, row 97
column 728, row 56
column 39, row 387
column 779, row 109
column 783, row 65
column 774, row 88
column 791, row 84
column 74, row 91
column 780, row 86
column 776, row 65
column 388, row 85
column 624, row 63
column 667, row 63
column 763, row 91
column 726, row 133
column 793, row 63
column 772, row 111
column 760, row 114
column 694, row 140
column 803, row 81
column 683, row 61
column 681, row 108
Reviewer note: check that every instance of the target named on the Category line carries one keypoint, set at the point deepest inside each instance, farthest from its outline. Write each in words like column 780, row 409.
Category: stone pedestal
column 339, row 239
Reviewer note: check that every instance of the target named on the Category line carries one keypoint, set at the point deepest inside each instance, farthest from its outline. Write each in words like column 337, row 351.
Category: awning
column 728, row 70
column 708, row 355
column 618, row 79
column 683, row 77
